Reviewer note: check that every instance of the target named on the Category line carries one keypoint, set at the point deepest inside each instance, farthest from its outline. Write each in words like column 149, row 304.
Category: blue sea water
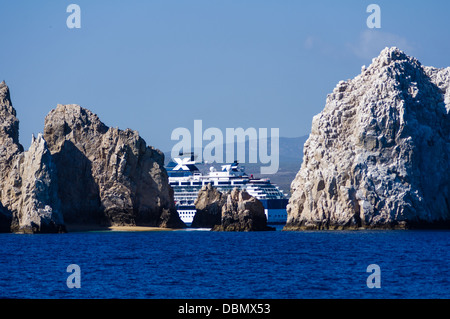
column 199, row 264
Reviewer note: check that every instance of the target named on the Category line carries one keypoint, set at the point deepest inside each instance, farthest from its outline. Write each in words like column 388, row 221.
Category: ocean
column 189, row 264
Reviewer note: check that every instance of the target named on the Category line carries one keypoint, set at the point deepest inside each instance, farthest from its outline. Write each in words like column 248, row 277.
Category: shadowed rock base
column 419, row 225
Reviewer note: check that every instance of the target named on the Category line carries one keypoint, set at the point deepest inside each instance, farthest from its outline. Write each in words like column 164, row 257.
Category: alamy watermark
column 213, row 152
column 374, row 279
column 374, row 20
column 74, row 279
column 74, row 19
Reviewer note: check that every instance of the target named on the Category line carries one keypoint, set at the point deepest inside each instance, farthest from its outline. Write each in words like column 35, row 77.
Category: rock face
column 37, row 209
column 233, row 211
column 87, row 173
column 242, row 212
column 29, row 202
column 378, row 155
column 9, row 148
column 209, row 205
column 107, row 176
column 9, row 127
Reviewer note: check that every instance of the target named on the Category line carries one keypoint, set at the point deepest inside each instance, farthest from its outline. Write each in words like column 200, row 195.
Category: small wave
column 196, row 229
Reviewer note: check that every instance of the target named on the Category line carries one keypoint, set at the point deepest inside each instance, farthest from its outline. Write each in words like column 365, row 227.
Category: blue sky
column 154, row 66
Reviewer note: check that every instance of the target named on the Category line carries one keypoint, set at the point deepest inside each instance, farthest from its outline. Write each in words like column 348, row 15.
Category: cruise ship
column 186, row 180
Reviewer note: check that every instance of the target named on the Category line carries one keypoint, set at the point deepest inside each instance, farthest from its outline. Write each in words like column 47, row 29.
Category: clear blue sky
column 154, row 66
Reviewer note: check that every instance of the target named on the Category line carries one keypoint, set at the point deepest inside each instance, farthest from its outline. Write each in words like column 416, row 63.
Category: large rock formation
column 88, row 174
column 107, row 176
column 378, row 155
column 28, row 185
column 233, row 211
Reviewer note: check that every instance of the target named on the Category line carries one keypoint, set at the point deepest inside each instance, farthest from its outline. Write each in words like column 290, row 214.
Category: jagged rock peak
column 392, row 54
column 5, row 99
column 9, row 124
column 378, row 155
column 71, row 122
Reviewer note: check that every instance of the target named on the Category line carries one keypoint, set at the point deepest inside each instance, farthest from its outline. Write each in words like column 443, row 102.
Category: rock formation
column 209, row 203
column 37, row 206
column 29, row 202
column 9, row 147
column 242, row 212
column 378, row 155
column 233, row 211
column 107, row 176
column 87, row 174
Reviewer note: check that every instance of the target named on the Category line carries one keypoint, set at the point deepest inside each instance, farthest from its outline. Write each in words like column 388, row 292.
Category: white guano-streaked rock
column 378, row 155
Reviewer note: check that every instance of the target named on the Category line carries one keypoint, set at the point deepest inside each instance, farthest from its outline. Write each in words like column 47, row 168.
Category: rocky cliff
column 378, row 155
column 28, row 184
column 9, row 147
column 87, row 174
column 233, row 211
column 107, row 176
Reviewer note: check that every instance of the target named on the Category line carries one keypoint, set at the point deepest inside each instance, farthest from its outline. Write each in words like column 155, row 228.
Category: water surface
column 199, row 264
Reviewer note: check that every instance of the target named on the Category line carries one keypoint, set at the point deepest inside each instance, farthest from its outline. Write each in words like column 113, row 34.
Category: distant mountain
column 291, row 149
column 290, row 160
